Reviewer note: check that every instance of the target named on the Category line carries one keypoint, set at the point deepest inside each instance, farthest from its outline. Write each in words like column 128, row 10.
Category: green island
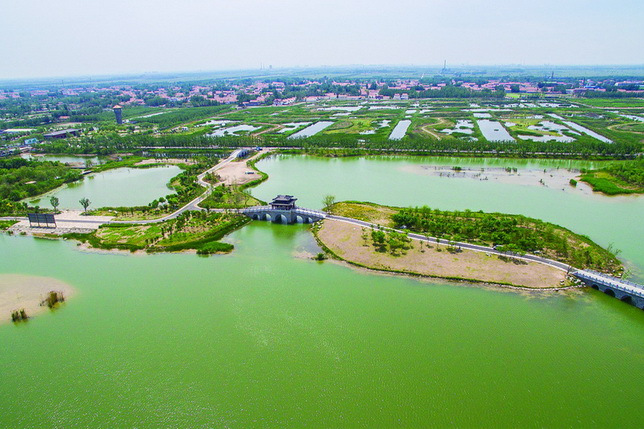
column 388, row 250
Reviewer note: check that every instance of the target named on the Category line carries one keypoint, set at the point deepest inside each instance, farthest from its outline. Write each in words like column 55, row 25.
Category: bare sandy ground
column 237, row 172
column 551, row 178
column 346, row 241
column 67, row 221
column 19, row 291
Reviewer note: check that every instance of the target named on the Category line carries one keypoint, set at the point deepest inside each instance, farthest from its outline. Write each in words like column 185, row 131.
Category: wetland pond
column 115, row 188
column 266, row 337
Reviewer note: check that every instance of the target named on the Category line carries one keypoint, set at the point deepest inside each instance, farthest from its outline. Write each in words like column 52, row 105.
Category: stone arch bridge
column 289, row 216
column 623, row 290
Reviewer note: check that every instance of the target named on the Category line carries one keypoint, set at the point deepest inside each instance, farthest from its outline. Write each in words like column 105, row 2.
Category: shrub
column 215, row 247
column 53, row 298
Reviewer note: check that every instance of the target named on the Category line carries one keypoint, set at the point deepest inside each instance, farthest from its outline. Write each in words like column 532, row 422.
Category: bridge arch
column 627, row 299
column 279, row 218
column 594, row 286
column 300, row 218
column 608, row 291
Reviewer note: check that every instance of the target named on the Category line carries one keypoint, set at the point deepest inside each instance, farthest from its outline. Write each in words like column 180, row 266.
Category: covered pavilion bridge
column 623, row 290
column 283, row 210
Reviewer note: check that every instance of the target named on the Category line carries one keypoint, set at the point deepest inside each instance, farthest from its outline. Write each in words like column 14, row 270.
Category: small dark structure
column 62, row 134
column 243, row 153
column 41, row 218
column 283, row 202
column 118, row 112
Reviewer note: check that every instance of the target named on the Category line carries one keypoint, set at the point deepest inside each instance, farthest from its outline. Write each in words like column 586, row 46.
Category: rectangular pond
column 311, row 130
column 493, row 131
column 400, row 130
column 585, row 130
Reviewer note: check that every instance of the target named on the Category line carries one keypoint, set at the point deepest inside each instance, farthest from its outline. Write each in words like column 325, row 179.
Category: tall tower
column 119, row 114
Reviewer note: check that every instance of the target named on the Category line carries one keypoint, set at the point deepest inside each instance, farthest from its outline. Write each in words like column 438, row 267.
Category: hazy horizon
column 75, row 38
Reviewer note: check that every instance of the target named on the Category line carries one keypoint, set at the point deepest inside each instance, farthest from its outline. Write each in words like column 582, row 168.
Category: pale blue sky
column 80, row 37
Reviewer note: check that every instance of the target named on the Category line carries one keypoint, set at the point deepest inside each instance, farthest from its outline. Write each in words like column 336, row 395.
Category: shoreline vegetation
column 384, row 250
column 192, row 230
column 184, row 186
column 617, row 178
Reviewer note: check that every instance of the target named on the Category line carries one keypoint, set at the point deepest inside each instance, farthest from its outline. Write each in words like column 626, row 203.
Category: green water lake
column 265, row 337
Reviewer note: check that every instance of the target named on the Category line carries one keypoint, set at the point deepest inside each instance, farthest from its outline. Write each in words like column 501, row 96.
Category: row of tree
column 514, row 233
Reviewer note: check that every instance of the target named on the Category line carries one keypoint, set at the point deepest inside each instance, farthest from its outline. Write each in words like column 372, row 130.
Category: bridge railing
column 297, row 210
column 614, row 282
column 310, row 212
column 255, row 209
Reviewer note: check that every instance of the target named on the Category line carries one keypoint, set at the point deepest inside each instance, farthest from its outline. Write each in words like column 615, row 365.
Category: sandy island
column 345, row 240
column 21, row 291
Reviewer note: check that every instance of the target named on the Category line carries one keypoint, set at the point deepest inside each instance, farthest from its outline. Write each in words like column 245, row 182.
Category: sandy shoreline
column 345, row 240
column 22, row 291
column 556, row 178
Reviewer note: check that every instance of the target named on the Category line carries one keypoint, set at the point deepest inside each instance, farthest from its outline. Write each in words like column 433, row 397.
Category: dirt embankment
column 347, row 242
column 165, row 161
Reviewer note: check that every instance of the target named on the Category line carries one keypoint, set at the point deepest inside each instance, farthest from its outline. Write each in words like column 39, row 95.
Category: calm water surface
column 390, row 180
column 266, row 338
column 114, row 188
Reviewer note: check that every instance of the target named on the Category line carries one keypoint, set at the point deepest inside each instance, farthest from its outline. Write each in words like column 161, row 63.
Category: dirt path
column 275, row 127
column 433, row 133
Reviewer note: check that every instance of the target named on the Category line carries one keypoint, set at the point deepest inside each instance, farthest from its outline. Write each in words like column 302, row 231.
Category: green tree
column 328, row 201
column 54, row 202
column 85, row 202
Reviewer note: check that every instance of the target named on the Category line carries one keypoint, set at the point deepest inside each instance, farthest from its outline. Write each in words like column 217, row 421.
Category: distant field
column 614, row 102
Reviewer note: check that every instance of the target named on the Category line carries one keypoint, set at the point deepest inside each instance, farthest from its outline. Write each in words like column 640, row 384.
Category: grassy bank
column 6, row 224
column 236, row 196
column 617, row 178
